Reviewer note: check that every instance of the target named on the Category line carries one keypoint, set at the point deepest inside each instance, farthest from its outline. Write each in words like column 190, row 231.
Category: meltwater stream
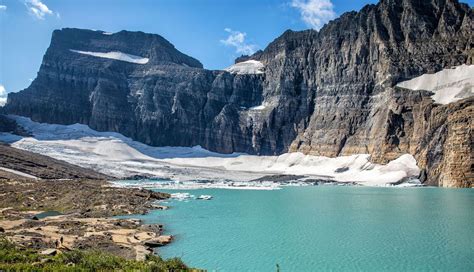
column 323, row 228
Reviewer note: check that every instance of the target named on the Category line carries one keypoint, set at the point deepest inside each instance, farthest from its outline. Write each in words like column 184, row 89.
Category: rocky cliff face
column 331, row 92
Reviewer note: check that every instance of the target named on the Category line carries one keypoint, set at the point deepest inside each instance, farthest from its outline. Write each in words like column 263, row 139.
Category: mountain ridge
column 137, row 43
column 326, row 93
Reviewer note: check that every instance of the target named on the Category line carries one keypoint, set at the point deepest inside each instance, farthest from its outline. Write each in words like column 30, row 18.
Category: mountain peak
column 136, row 43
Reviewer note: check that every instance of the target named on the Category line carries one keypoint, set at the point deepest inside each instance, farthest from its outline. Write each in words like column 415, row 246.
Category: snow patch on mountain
column 246, row 68
column 3, row 96
column 116, row 155
column 259, row 107
column 448, row 85
column 115, row 55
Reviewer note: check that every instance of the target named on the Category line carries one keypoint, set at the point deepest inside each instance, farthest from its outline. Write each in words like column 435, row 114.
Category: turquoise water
column 323, row 228
column 47, row 214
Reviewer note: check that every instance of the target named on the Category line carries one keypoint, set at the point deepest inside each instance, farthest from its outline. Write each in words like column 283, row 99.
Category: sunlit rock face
column 332, row 92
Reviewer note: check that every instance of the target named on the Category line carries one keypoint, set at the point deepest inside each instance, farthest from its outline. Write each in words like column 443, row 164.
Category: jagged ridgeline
column 332, row 92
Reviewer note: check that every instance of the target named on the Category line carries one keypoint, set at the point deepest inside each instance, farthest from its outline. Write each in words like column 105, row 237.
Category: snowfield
column 115, row 55
column 246, row 68
column 448, row 85
column 116, row 155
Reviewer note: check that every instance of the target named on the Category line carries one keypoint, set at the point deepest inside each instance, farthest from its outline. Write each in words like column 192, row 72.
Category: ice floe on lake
column 182, row 196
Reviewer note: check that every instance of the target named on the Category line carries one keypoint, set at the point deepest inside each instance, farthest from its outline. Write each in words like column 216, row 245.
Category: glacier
column 118, row 156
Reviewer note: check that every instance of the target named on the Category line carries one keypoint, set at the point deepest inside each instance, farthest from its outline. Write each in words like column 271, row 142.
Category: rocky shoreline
column 83, row 217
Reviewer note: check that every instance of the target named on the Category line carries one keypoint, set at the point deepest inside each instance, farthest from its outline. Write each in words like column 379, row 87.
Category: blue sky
column 213, row 31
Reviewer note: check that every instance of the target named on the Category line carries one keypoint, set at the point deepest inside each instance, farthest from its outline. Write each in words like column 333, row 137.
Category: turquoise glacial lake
column 325, row 228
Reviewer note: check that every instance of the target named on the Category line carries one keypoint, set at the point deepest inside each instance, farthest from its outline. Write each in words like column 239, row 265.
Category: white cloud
column 3, row 7
column 38, row 9
column 315, row 13
column 3, row 95
column 237, row 39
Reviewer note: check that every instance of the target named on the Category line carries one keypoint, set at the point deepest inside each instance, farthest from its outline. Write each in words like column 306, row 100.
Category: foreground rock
column 125, row 238
column 159, row 241
column 85, row 223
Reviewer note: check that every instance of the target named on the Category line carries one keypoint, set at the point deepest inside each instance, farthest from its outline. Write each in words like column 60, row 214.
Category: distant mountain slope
column 332, row 92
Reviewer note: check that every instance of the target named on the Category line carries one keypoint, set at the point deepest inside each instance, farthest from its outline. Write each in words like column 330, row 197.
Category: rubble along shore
column 81, row 217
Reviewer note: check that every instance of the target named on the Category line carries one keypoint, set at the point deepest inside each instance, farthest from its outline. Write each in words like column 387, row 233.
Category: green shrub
column 9, row 254
column 13, row 258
